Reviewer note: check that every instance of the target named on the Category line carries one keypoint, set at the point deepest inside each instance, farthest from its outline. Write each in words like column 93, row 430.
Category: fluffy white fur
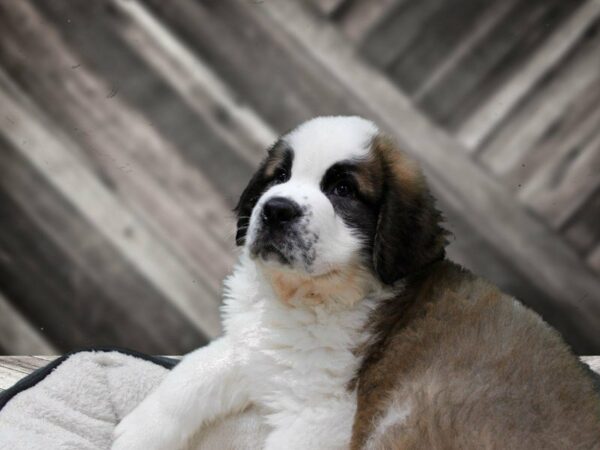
column 291, row 359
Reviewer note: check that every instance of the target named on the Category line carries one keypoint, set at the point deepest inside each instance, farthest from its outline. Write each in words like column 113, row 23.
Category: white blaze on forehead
column 324, row 141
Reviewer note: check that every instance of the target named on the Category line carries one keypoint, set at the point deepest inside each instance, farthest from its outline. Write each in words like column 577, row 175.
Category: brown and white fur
column 346, row 327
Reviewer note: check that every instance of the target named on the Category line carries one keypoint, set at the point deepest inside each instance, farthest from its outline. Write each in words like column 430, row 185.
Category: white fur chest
column 297, row 359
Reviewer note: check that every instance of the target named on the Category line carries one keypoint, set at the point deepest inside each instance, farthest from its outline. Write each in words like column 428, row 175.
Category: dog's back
column 460, row 365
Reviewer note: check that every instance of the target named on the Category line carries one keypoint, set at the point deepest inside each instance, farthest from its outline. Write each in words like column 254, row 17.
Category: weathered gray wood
column 394, row 34
column 594, row 258
column 52, row 156
column 360, row 16
column 283, row 85
column 13, row 368
column 328, row 7
column 485, row 24
column 189, row 215
column 491, row 63
column 17, row 335
column 575, row 125
column 527, row 126
column 436, row 38
column 461, row 183
column 582, row 229
column 145, row 108
column 95, row 34
column 196, row 83
column 69, row 279
column 566, row 182
column 482, row 121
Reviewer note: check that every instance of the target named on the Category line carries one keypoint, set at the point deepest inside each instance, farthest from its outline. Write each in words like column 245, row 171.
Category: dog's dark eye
column 281, row 176
column 343, row 189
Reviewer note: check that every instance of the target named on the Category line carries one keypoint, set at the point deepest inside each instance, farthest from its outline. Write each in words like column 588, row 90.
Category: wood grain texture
column 18, row 334
column 361, row 16
column 437, row 37
column 329, row 7
column 396, row 30
column 91, row 284
column 486, row 118
column 78, row 184
column 567, row 87
column 13, row 368
column 582, row 229
column 284, row 86
column 492, row 62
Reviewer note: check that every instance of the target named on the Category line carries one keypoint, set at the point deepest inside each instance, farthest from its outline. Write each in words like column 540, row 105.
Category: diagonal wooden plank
column 85, row 293
column 188, row 214
column 566, row 182
column 594, row 258
column 397, row 30
column 96, row 37
column 328, row 7
column 282, row 85
column 437, row 38
column 14, row 368
column 358, row 19
column 483, row 120
column 54, row 158
column 523, row 131
column 492, row 62
column 463, row 186
column 17, row 335
column 195, row 81
column 485, row 24
column 582, row 229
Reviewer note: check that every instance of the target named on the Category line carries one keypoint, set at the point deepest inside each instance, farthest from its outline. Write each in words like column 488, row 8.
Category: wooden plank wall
column 517, row 83
column 128, row 128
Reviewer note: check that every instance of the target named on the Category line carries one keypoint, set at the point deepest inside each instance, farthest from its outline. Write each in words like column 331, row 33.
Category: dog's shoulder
column 452, row 352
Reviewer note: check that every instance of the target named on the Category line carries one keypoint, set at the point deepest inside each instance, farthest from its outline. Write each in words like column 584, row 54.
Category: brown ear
column 409, row 234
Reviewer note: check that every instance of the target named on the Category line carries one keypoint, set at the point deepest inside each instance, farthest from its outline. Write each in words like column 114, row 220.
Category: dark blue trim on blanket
column 38, row 375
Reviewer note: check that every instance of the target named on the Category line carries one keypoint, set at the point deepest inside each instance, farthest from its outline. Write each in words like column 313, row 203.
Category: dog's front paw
column 148, row 428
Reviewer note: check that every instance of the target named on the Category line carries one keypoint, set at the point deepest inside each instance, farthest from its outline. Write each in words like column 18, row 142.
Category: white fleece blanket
column 79, row 403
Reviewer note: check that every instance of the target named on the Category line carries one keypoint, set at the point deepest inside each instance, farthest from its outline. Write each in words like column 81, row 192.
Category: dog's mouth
column 269, row 252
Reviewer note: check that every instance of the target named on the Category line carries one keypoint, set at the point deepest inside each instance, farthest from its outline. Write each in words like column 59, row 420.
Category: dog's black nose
column 279, row 210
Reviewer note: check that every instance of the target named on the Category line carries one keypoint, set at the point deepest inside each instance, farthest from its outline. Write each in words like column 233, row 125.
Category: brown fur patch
column 370, row 174
column 274, row 160
column 404, row 170
column 477, row 369
column 339, row 286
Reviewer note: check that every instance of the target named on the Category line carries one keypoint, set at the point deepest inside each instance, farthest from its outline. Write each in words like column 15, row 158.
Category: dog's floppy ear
column 409, row 234
column 279, row 157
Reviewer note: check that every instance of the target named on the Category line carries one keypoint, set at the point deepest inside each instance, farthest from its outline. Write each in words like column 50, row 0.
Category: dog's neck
column 341, row 287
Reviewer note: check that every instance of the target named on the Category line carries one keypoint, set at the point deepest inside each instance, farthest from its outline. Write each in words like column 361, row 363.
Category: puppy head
column 334, row 196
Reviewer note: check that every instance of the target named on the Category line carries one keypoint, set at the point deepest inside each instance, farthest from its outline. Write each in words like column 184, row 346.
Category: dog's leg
column 207, row 384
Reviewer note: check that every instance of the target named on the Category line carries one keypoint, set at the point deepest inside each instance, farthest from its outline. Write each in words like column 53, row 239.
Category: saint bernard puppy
column 346, row 327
